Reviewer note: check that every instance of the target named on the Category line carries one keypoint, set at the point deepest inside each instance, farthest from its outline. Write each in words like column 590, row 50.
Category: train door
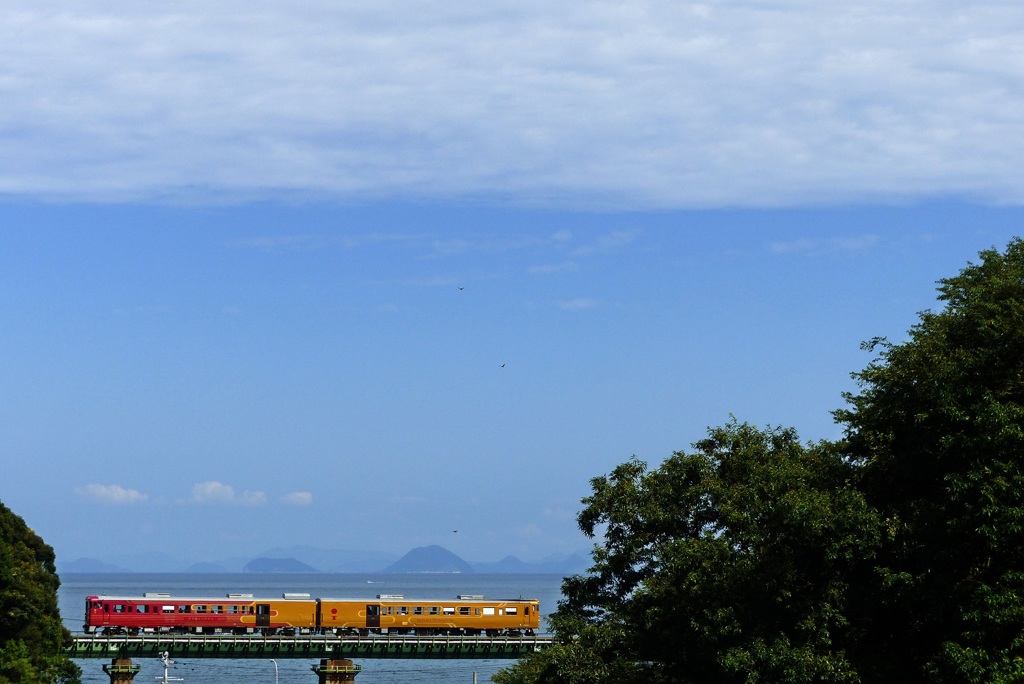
column 262, row 614
column 372, row 616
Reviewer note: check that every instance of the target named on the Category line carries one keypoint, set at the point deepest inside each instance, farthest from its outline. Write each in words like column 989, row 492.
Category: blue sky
column 357, row 275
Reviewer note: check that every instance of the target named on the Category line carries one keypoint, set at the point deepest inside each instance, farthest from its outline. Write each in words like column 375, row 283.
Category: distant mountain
column 236, row 563
column 553, row 565
column 146, row 562
column 311, row 559
column 277, row 565
column 508, row 564
column 429, row 559
column 334, row 560
column 88, row 565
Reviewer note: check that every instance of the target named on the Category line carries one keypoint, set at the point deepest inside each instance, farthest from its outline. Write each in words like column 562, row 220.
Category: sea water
column 75, row 587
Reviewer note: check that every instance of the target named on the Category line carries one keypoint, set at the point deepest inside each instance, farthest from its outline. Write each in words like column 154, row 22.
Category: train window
column 489, row 610
column 403, row 610
column 200, row 609
column 463, row 610
column 476, row 612
column 447, row 610
column 391, row 610
column 511, row 610
column 142, row 609
column 216, row 609
column 417, row 610
column 168, row 609
column 526, row 610
column 233, row 610
column 434, row 610
column 118, row 608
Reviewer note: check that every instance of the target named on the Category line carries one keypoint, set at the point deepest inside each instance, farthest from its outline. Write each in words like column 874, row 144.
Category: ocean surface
column 76, row 586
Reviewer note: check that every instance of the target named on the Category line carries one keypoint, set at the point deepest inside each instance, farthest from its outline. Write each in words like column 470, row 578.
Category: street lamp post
column 275, row 670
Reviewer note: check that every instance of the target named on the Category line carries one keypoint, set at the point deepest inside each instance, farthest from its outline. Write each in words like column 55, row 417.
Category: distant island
column 433, row 559
column 305, row 559
column 277, row 565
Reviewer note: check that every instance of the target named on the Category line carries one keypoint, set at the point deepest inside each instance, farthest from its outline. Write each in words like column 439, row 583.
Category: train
column 297, row 613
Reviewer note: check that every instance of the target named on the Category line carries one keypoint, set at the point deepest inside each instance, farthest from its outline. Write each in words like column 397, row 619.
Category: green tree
column 938, row 425
column 32, row 636
column 728, row 564
column 894, row 555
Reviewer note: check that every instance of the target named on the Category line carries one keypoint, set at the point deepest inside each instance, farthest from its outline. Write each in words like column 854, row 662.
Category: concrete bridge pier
column 122, row 671
column 335, row 671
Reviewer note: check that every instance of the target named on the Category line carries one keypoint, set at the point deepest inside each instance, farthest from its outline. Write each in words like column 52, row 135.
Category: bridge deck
column 303, row 646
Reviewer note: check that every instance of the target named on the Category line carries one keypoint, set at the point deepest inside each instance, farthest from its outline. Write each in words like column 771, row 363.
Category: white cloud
column 213, row 492
column 252, row 498
column 654, row 103
column 298, row 498
column 112, row 494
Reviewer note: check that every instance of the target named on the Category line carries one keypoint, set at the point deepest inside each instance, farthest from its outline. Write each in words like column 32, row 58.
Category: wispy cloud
column 790, row 246
column 654, row 104
column 577, row 304
column 604, row 244
column 857, row 243
column 298, row 498
column 111, row 494
column 213, row 492
column 310, row 242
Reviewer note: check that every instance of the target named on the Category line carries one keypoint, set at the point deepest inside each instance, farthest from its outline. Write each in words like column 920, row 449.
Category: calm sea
column 75, row 587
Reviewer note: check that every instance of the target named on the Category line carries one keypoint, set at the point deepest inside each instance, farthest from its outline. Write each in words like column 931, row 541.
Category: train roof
column 429, row 599
column 248, row 598
column 156, row 598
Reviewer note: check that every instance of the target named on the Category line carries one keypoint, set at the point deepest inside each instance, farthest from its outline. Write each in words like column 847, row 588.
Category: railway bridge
column 302, row 646
column 334, row 653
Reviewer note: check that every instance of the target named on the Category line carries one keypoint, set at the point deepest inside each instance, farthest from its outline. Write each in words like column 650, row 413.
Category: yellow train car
column 463, row 615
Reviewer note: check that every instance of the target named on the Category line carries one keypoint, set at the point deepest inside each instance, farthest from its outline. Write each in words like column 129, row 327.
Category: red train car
column 235, row 613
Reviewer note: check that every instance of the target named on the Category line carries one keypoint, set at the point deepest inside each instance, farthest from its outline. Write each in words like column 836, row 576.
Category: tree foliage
column 727, row 564
column 32, row 636
column 895, row 554
column 939, row 428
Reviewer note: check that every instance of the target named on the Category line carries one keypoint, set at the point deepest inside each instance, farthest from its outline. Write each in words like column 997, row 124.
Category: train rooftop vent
column 155, row 594
column 393, row 597
column 294, row 597
column 239, row 595
column 470, row 597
